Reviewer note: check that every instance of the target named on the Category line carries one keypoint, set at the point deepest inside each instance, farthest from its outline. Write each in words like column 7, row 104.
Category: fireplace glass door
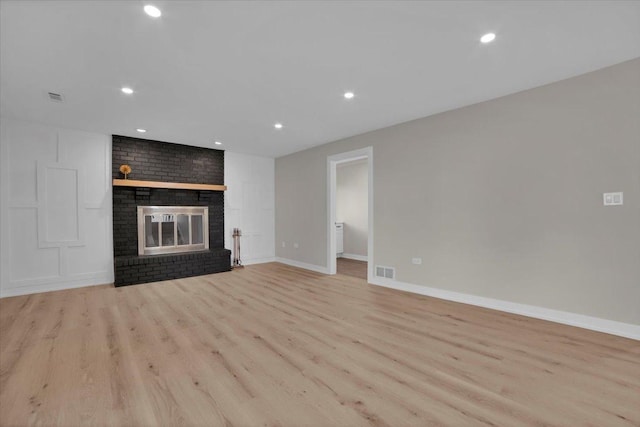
column 172, row 229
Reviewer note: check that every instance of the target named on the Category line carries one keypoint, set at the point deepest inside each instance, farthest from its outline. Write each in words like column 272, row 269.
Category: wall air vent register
column 386, row 272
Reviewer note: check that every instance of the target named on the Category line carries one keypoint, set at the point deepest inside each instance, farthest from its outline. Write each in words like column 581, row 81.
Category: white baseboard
column 56, row 286
column 612, row 327
column 355, row 257
column 317, row 268
column 258, row 260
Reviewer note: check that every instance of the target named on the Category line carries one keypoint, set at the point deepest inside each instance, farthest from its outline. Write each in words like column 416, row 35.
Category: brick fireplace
column 170, row 163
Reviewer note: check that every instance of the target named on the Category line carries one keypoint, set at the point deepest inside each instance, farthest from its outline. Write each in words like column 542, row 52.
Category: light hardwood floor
column 275, row 345
column 351, row 267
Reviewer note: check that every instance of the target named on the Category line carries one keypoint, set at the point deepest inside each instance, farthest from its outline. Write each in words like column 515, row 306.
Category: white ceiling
column 212, row 70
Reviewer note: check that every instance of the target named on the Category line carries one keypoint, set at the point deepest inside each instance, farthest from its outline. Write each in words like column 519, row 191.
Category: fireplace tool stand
column 237, row 262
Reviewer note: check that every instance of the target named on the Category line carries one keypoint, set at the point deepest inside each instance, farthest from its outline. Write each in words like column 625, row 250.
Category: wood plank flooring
column 352, row 267
column 272, row 345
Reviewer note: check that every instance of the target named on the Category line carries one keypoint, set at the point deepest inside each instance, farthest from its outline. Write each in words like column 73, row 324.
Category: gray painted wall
column 502, row 199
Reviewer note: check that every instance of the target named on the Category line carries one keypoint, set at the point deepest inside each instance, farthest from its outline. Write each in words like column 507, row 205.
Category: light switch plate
column 612, row 199
column 416, row 261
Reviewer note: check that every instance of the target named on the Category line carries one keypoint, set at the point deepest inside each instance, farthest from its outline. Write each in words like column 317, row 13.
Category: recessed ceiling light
column 57, row 97
column 278, row 126
column 141, row 130
column 127, row 90
column 488, row 38
column 349, row 95
column 217, row 142
column 152, row 11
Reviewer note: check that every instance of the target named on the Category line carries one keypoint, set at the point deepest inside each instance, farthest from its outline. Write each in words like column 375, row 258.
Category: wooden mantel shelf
column 175, row 185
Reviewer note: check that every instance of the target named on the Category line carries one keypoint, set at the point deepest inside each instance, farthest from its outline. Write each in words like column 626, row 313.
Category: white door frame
column 332, row 162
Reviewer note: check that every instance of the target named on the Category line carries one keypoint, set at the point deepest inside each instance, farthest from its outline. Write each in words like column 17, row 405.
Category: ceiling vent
column 55, row 97
column 386, row 272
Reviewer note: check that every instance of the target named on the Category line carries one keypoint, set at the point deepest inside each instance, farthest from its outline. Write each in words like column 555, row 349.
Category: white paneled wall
column 55, row 208
column 249, row 205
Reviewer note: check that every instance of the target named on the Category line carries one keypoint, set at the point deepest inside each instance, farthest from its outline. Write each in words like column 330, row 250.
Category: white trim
column 626, row 330
column 258, row 261
column 61, row 284
column 355, row 257
column 317, row 268
column 332, row 162
column 4, row 203
column 42, row 168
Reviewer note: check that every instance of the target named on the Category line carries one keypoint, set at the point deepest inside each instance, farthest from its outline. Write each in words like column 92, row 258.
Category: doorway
column 350, row 213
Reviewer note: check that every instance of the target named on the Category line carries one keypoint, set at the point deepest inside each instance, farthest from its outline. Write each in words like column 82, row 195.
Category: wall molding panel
column 60, row 205
column 55, row 210
column 250, row 205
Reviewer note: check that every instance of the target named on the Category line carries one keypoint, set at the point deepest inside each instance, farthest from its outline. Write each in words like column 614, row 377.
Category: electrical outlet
column 612, row 199
column 284, row 245
column 416, row 261
column 295, row 245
